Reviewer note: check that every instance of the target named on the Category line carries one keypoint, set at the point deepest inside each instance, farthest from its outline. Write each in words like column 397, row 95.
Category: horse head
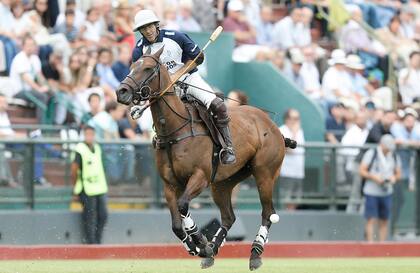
column 144, row 80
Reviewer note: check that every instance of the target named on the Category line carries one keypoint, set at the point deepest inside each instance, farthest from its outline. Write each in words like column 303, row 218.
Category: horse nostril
column 123, row 96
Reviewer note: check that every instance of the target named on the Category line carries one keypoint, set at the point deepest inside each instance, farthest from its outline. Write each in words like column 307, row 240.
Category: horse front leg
column 194, row 187
column 171, row 199
column 222, row 196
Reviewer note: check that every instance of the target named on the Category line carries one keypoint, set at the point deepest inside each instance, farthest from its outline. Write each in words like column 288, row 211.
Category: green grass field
column 362, row 265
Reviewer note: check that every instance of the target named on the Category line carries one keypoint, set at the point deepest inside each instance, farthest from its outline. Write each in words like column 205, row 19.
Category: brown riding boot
column 227, row 154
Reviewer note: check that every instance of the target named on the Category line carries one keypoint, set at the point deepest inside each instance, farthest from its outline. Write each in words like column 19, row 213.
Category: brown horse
column 185, row 162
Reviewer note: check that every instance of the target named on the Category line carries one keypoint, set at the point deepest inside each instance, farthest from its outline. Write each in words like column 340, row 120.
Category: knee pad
column 219, row 110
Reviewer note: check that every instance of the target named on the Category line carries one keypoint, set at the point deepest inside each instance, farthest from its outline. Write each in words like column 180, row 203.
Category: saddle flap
column 206, row 117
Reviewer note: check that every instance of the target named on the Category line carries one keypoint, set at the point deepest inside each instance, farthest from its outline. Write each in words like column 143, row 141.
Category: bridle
column 143, row 90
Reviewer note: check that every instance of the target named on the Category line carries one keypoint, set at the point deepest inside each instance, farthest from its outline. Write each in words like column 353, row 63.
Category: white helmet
column 144, row 17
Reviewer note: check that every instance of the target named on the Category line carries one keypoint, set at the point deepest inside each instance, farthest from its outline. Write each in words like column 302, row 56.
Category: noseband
column 143, row 90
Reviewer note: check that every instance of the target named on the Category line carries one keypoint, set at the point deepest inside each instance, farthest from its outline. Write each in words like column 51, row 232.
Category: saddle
column 198, row 113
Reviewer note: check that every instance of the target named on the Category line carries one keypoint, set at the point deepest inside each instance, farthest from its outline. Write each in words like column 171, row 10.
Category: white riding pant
column 205, row 97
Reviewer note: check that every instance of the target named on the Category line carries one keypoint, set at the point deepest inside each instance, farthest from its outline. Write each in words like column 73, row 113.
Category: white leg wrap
column 262, row 235
column 189, row 225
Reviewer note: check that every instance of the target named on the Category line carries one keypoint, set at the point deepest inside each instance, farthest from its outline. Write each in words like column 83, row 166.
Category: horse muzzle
column 124, row 95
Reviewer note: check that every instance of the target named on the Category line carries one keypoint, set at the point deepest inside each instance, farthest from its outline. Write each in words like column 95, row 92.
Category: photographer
column 382, row 169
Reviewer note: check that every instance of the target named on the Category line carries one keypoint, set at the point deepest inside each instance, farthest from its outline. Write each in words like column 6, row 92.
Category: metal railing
column 325, row 186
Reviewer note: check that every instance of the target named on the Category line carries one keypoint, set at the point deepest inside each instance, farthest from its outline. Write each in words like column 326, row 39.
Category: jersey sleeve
column 189, row 49
column 137, row 52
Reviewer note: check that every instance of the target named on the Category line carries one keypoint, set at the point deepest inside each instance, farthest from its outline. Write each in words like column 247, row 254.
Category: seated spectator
column 236, row 98
column 382, row 169
column 7, row 33
column 104, row 69
column 382, row 127
column 294, row 74
column 93, row 29
column 79, row 16
column 310, row 74
column 170, row 18
column 124, row 24
column 409, row 79
column 407, row 18
column 36, row 23
column 252, row 11
column 336, row 82
column 398, row 47
column 335, row 123
column 121, row 68
column 292, row 172
column 264, row 28
column 28, row 82
column 236, row 22
column 287, row 32
column 185, row 19
column 206, row 19
column 68, row 28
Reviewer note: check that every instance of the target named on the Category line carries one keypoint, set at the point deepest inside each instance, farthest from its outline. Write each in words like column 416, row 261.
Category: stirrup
column 228, row 150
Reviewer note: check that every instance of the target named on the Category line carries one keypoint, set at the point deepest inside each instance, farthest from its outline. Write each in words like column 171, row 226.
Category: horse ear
column 159, row 52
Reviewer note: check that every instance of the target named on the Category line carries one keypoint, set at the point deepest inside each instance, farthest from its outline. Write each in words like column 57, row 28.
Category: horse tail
column 290, row 143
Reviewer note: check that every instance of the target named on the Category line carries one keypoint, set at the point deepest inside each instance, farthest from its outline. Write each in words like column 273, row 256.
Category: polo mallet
column 137, row 110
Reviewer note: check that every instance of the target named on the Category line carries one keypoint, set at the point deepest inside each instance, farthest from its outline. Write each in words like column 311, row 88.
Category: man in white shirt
column 287, row 32
column 292, row 172
column 409, row 79
column 26, row 76
column 336, row 83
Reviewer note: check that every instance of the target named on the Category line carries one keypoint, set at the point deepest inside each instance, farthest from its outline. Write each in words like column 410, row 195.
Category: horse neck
column 166, row 112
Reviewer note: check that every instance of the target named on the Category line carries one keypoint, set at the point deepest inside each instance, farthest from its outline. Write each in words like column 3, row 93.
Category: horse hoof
column 255, row 263
column 207, row 262
column 206, row 252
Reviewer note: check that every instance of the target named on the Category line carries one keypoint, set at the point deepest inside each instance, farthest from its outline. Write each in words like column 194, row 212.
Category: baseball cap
column 388, row 141
column 235, row 5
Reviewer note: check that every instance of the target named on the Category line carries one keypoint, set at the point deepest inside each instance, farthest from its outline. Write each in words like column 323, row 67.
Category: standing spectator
column 265, row 27
column 382, row 127
column 252, row 11
column 382, row 169
column 25, row 73
column 121, row 68
column 287, row 32
column 293, row 171
column 88, row 176
column 237, row 23
column 409, row 79
column 406, row 132
column 185, row 19
column 407, row 18
column 205, row 15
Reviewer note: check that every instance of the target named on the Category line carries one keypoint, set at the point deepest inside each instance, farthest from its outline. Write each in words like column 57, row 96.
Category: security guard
column 179, row 51
column 88, row 176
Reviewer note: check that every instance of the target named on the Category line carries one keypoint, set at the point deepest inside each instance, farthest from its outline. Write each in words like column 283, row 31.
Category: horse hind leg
column 265, row 184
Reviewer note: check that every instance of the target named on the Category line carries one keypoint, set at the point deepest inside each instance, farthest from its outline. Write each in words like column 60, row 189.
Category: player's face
column 149, row 32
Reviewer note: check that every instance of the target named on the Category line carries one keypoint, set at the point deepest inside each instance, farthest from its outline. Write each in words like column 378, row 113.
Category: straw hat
column 338, row 56
column 354, row 62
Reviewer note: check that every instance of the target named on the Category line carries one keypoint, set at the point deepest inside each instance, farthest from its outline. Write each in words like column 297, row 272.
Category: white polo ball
column 274, row 218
